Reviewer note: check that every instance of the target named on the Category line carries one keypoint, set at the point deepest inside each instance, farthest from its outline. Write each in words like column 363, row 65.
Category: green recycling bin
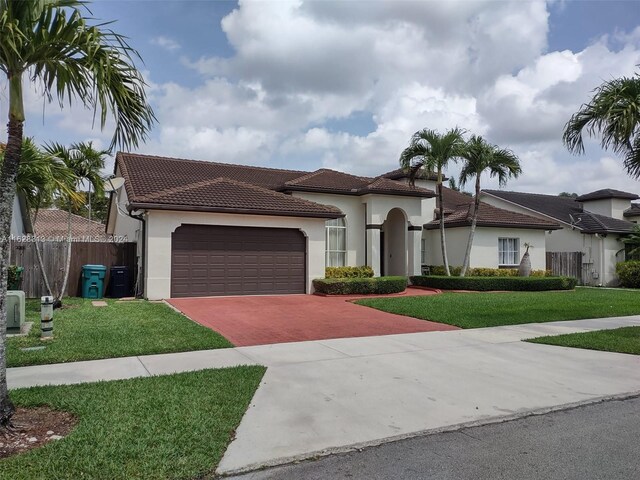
column 93, row 280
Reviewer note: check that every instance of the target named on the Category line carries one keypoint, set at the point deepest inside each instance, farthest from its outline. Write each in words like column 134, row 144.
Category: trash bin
column 119, row 284
column 93, row 281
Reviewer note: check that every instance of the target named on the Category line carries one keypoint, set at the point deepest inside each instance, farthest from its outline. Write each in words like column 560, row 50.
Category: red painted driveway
column 265, row 320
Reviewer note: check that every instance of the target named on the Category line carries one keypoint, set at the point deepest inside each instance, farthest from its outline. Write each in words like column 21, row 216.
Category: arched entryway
column 394, row 243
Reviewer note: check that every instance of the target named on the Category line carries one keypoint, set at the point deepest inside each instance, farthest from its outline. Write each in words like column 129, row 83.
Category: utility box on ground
column 93, row 281
column 15, row 310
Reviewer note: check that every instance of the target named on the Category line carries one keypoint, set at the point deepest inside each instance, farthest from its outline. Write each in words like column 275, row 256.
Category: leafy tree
column 480, row 157
column 429, row 152
column 99, row 206
column 568, row 195
column 614, row 113
column 632, row 244
column 86, row 164
column 51, row 43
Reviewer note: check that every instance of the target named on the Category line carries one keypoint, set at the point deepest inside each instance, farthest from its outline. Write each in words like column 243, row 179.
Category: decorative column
column 373, row 247
column 414, row 244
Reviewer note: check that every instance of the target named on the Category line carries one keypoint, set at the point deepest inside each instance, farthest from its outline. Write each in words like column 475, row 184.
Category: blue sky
column 344, row 84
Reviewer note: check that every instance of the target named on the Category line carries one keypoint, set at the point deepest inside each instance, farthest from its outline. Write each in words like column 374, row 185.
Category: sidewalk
column 329, row 395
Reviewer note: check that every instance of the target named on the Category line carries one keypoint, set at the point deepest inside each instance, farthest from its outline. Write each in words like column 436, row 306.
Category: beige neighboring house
column 593, row 224
column 206, row 229
column 52, row 224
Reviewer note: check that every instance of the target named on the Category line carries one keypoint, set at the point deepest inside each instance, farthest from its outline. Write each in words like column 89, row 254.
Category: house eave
column 241, row 211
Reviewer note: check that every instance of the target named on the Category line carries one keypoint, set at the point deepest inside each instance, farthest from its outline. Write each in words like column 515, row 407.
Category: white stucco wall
column 361, row 211
column 119, row 223
column 161, row 224
column 611, row 207
column 353, row 208
column 17, row 225
column 484, row 252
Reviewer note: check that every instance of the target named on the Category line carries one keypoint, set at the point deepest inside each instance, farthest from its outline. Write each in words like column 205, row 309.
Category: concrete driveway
column 331, row 396
column 262, row 320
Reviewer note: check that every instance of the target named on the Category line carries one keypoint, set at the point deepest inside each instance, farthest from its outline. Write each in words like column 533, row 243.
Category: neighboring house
column 52, row 224
column 206, row 229
column 500, row 236
column 593, row 224
column 632, row 214
column 20, row 220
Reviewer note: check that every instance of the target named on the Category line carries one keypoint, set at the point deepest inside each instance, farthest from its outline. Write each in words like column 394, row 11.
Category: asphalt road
column 598, row 442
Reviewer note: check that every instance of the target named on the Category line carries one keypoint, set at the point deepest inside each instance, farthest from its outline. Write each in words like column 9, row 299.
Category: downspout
column 602, row 284
column 139, row 293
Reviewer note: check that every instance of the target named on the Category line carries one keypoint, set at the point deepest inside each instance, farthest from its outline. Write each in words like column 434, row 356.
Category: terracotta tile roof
column 490, row 216
column 632, row 211
column 324, row 179
column 147, row 174
column 171, row 181
column 51, row 223
column 226, row 195
column 565, row 209
column 400, row 173
column 607, row 193
column 452, row 200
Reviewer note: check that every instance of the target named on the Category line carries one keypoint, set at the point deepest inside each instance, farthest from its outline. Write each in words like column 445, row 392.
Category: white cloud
column 297, row 66
column 167, row 43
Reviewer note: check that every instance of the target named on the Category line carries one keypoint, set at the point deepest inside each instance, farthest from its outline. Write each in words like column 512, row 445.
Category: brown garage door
column 214, row 260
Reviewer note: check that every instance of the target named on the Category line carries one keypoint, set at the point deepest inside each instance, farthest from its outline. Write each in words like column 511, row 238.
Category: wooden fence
column 54, row 256
column 568, row 264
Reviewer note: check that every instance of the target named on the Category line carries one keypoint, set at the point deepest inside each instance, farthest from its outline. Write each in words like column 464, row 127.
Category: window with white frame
column 336, row 243
column 423, row 251
column 508, row 251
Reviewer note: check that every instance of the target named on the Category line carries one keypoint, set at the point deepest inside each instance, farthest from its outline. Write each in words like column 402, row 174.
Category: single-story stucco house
column 206, row 228
column 593, row 223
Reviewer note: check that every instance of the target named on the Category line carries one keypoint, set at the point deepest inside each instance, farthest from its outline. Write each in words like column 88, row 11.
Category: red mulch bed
column 34, row 427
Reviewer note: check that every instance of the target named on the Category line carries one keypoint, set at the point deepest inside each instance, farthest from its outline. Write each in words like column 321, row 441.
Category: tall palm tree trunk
column 443, row 242
column 67, row 265
column 36, row 244
column 472, row 232
column 7, row 193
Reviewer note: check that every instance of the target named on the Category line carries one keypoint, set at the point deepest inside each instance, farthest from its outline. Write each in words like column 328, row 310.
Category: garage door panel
column 220, row 260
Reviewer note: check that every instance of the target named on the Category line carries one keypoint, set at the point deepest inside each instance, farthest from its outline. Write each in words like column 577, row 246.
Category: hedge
column 364, row 271
column 485, row 284
column 484, row 272
column 360, row 286
column 629, row 273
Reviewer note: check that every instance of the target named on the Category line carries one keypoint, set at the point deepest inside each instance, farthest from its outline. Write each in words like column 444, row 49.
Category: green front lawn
column 621, row 340
column 85, row 332
column 474, row 310
column 168, row 427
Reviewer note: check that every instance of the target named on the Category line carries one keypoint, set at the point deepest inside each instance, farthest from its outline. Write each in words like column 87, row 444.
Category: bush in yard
column 360, row 286
column 486, row 284
column 485, row 272
column 364, row 271
column 629, row 273
column 14, row 277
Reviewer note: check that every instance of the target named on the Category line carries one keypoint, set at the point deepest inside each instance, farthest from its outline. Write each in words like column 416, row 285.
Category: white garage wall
column 161, row 224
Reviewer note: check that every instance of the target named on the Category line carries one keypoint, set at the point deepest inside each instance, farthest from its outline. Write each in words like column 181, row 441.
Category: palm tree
column 51, row 43
column 86, row 164
column 614, row 113
column 480, row 157
column 41, row 178
column 430, row 152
